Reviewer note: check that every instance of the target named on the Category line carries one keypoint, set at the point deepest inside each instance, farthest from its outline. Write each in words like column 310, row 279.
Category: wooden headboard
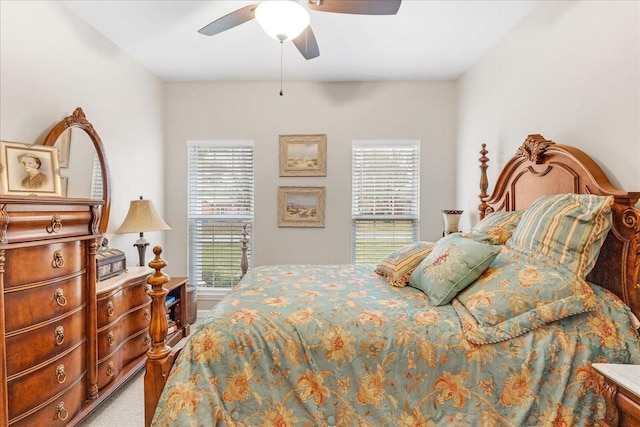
column 541, row 167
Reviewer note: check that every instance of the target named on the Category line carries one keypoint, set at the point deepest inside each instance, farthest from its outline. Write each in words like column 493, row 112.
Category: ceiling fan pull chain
column 281, row 93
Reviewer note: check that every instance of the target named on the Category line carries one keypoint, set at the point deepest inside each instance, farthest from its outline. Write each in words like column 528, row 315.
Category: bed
column 498, row 326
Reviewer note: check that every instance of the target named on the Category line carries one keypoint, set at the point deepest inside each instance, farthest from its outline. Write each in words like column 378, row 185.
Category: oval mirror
column 83, row 164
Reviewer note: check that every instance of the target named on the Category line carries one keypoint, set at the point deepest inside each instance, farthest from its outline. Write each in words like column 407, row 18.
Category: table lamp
column 142, row 216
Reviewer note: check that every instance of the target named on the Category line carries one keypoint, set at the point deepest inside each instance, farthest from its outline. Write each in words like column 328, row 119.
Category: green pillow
column 519, row 293
column 503, row 219
column 496, row 227
column 452, row 265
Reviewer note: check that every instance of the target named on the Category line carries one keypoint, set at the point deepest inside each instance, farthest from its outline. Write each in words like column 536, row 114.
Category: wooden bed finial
column 159, row 356
column 484, row 182
column 158, row 329
column 244, row 262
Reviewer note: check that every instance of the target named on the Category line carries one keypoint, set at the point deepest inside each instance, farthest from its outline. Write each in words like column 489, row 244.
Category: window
column 220, row 191
column 385, row 198
column 96, row 179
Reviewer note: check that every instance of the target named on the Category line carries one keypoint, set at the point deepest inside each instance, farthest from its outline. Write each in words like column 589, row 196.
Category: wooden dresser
column 66, row 341
column 48, row 305
column 622, row 394
column 124, row 312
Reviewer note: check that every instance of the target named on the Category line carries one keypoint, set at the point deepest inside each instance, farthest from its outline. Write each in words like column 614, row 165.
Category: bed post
column 484, row 182
column 244, row 262
column 159, row 356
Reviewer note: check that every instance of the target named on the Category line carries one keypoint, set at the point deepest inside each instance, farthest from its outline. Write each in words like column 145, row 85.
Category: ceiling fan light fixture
column 282, row 20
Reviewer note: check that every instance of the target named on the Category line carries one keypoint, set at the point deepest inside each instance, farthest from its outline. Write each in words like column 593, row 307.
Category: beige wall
column 343, row 111
column 50, row 63
column 569, row 71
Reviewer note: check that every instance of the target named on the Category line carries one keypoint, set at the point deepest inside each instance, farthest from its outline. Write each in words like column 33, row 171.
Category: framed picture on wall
column 27, row 170
column 301, row 206
column 303, row 155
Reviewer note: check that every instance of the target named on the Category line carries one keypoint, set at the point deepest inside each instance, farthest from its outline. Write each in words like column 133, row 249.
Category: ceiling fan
column 275, row 16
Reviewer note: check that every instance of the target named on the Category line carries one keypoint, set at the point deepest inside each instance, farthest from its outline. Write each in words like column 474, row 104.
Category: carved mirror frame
column 79, row 120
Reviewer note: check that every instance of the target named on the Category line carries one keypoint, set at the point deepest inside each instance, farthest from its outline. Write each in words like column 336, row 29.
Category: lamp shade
column 142, row 216
column 282, row 20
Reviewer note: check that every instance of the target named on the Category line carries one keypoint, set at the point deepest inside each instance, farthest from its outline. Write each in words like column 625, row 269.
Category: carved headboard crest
column 533, row 148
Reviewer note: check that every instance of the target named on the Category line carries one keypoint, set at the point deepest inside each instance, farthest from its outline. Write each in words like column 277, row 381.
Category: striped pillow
column 568, row 229
column 398, row 265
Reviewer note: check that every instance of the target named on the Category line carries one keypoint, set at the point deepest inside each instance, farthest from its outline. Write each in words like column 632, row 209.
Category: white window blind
column 220, row 190
column 385, row 198
column 96, row 179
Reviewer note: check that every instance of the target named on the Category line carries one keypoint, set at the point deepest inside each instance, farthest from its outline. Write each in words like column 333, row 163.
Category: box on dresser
column 109, row 263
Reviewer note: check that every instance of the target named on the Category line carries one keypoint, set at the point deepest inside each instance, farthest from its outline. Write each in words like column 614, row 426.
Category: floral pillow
column 504, row 219
column 452, row 265
column 398, row 265
column 568, row 229
column 496, row 228
column 519, row 293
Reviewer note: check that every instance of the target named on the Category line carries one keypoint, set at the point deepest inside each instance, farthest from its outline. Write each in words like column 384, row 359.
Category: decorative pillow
column 567, row 228
column 454, row 263
column 496, row 228
column 398, row 265
column 519, row 293
column 493, row 236
column 504, row 219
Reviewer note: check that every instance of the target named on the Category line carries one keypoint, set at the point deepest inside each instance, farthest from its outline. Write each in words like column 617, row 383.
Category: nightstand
column 622, row 394
column 177, row 310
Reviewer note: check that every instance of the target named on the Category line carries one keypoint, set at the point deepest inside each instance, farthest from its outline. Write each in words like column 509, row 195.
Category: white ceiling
column 426, row 40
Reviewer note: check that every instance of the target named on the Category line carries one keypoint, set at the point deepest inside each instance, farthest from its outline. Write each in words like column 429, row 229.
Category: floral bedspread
column 336, row 345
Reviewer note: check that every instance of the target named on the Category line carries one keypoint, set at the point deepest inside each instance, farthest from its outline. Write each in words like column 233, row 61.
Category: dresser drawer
column 40, row 263
column 57, row 412
column 115, row 303
column 38, row 345
column 28, row 391
column 135, row 347
column 110, row 338
column 36, row 304
column 49, row 224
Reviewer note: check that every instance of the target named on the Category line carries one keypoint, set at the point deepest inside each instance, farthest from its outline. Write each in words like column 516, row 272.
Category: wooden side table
column 622, row 394
column 177, row 310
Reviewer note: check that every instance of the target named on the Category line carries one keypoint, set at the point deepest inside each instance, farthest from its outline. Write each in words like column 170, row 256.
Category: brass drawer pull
column 111, row 369
column 61, row 375
column 58, row 260
column 56, row 225
column 147, row 314
column 59, row 335
column 61, row 412
column 110, row 308
column 110, row 339
column 61, row 300
column 147, row 341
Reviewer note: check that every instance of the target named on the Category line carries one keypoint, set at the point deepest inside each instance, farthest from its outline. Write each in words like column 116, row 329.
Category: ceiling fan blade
column 307, row 44
column 357, row 7
column 229, row 20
